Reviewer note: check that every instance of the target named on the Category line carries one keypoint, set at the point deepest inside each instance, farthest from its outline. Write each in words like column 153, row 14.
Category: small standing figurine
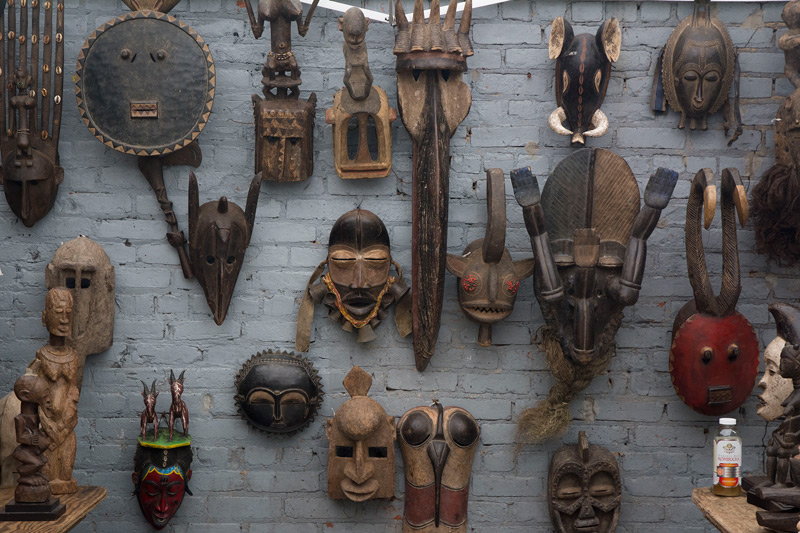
column 32, row 497
column 284, row 122
column 366, row 150
column 149, row 414
column 178, row 406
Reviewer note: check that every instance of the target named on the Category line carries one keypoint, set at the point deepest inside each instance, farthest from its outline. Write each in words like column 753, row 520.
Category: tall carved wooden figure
column 488, row 279
column 284, row 121
column 433, row 101
column 145, row 86
column 583, row 68
column 361, row 116
column 31, row 84
column 438, row 446
column 713, row 360
column 589, row 237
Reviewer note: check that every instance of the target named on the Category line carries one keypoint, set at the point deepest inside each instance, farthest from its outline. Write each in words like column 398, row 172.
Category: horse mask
column 583, row 68
column 714, row 356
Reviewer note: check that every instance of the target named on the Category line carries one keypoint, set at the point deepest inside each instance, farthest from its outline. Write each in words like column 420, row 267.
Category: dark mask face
column 278, row 392
column 584, row 489
column 31, row 188
column 583, row 68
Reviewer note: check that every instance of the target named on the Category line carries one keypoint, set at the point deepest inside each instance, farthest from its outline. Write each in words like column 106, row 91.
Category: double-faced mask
column 584, row 488
column 698, row 67
column 32, row 104
column 583, row 68
column 278, row 392
column 775, row 387
column 488, row 279
column 83, row 267
column 361, row 445
column 357, row 288
column 219, row 233
column 438, row 445
column 161, row 479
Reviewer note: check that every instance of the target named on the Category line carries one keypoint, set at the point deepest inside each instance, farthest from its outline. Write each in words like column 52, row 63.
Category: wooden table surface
column 78, row 506
column 728, row 514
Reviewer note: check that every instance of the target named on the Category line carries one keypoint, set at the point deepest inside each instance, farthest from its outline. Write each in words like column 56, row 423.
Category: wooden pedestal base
column 27, row 512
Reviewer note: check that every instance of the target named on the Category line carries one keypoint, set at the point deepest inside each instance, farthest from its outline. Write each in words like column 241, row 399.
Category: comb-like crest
column 252, row 204
column 194, row 202
column 357, row 382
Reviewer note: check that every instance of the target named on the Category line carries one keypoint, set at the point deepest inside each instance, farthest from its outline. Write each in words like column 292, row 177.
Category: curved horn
column 732, row 191
column 787, row 322
column 153, row 388
column 702, row 195
column 600, row 122
column 557, row 117
column 181, row 378
column 494, row 241
column 171, row 376
column 144, row 392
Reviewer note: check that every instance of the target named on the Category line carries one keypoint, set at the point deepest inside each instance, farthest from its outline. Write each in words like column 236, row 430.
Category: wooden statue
column 488, row 279
column 30, row 120
column 775, row 387
column 134, row 106
column 278, row 392
column 714, row 354
column 584, row 488
column 589, row 237
column 32, row 497
column 358, row 289
column 284, row 121
column 775, row 218
column 432, row 101
column 583, row 68
column 177, row 409
column 438, row 446
column 360, row 445
column 361, row 116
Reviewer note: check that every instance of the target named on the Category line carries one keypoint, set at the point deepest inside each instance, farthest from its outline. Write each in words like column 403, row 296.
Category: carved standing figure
column 433, row 101
column 149, row 414
column 178, row 406
column 30, row 120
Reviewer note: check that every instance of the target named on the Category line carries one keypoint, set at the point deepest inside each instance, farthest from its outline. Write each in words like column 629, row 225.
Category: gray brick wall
column 244, row 481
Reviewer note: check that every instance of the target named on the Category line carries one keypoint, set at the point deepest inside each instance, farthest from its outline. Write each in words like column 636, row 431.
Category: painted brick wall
column 244, row 481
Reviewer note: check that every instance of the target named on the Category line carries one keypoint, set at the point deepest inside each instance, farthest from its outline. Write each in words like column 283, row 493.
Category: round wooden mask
column 145, row 83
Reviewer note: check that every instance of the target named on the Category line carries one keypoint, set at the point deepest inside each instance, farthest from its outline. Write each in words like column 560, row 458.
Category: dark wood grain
column 78, row 506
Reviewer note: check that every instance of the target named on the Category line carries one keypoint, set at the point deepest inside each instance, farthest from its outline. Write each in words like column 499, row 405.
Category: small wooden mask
column 713, row 360
column 360, row 445
column 433, row 101
column 698, row 67
column 161, row 475
column 30, row 121
column 589, row 237
column 219, row 234
column 584, row 488
column 438, row 445
column 358, row 288
column 82, row 267
column 284, row 121
column 583, row 68
column 278, row 393
column 488, row 280
column 361, row 116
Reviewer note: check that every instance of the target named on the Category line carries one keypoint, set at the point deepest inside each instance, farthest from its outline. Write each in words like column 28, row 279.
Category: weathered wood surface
column 727, row 514
column 78, row 506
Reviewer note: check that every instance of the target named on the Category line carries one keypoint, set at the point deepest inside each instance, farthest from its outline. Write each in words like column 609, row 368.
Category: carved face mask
column 361, row 445
column 357, row 289
column 584, row 489
column 488, row 280
column 583, row 68
column 161, row 479
column 278, row 392
column 438, row 445
column 219, row 233
column 775, row 387
column 698, row 67
column 82, row 266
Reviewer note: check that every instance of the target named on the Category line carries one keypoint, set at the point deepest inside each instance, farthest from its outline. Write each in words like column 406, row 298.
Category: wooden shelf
column 78, row 506
column 727, row 514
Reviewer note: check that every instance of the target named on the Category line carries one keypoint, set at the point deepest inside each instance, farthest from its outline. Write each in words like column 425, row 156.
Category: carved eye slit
column 463, row 429
column 564, row 82
column 344, row 451
column 85, row 283
column 598, row 78
column 378, row 452
column 210, row 259
column 70, row 283
column 690, row 76
column 416, row 429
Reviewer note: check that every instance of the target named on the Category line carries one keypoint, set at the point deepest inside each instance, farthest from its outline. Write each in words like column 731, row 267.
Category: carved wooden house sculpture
column 697, row 70
column 583, row 68
column 776, row 219
column 714, row 356
column 438, row 446
column 432, row 101
column 31, row 83
column 361, row 116
column 284, row 121
column 278, row 393
column 360, row 445
column 488, row 279
column 584, row 488
column 589, row 237
column 358, row 289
